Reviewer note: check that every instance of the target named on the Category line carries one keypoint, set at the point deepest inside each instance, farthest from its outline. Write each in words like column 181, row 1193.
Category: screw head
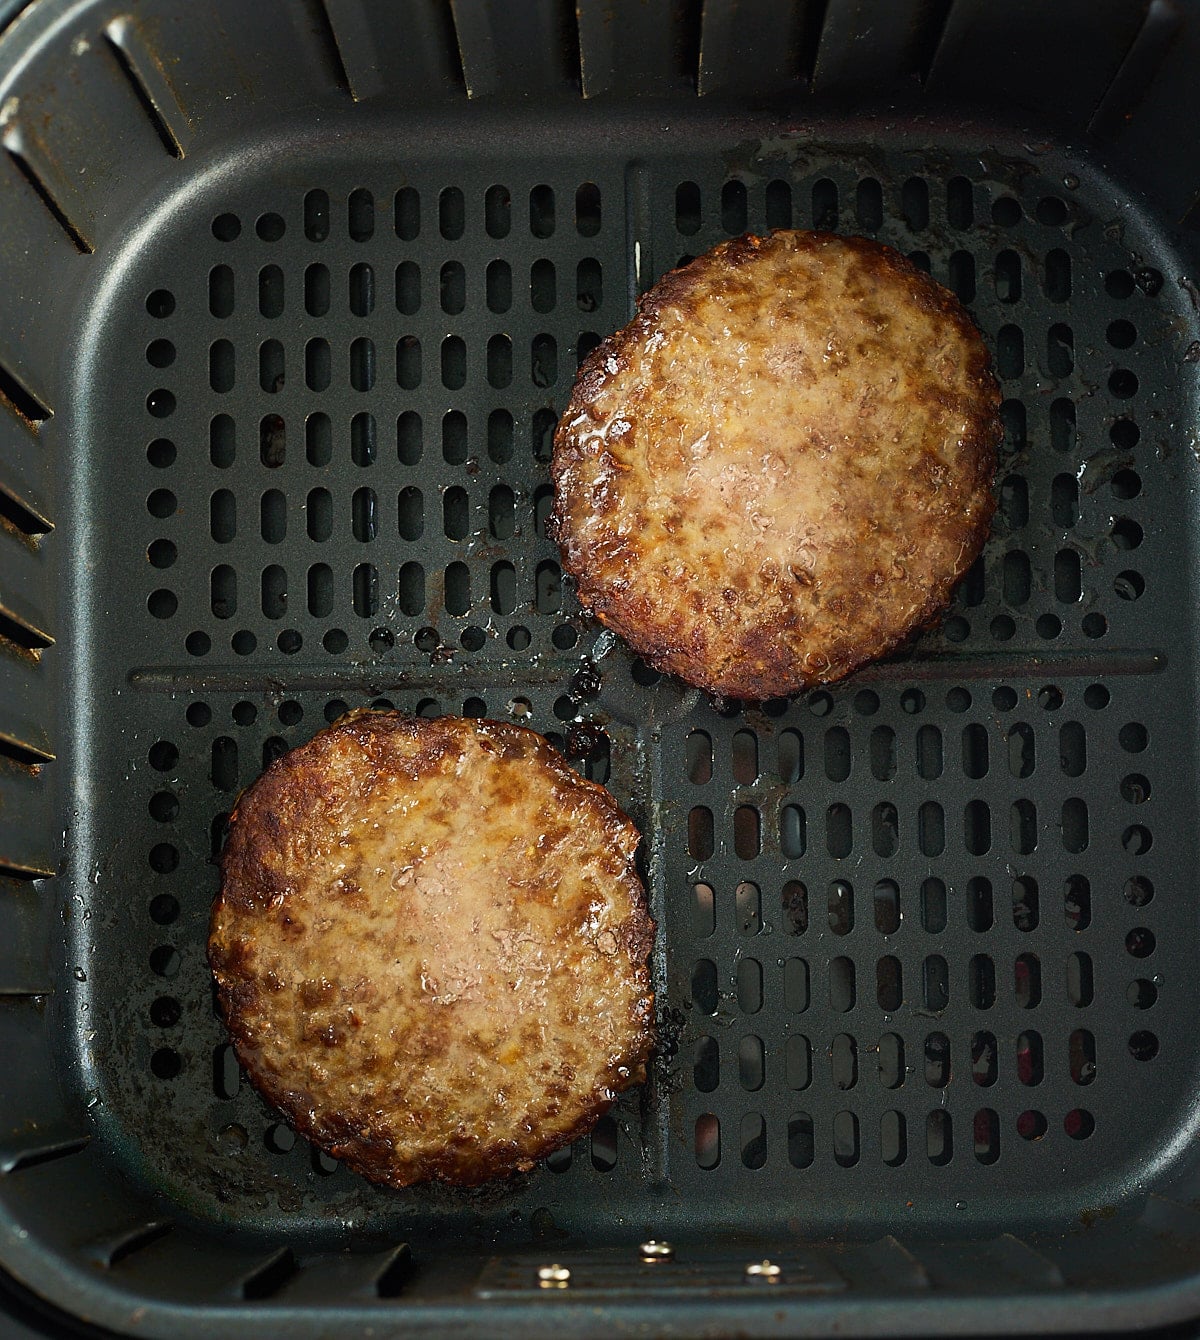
column 653, row 1251
column 553, row 1277
column 763, row 1270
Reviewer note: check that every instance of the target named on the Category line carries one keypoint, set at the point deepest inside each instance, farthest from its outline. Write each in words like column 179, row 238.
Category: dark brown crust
column 289, row 1022
column 774, row 647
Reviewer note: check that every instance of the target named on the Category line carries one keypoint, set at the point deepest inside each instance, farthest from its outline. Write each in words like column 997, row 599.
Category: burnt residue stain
column 585, row 740
column 1188, row 286
column 670, row 1026
column 586, row 681
column 481, row 1199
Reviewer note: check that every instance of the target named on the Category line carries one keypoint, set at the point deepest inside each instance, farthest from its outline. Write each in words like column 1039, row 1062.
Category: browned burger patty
column 430, row 946
column 780, row 468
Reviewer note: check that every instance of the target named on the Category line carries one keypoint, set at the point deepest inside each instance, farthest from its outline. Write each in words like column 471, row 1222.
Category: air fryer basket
column 292, row 292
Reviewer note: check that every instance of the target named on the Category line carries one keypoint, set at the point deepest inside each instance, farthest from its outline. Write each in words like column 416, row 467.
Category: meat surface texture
column 781, row 467
column 430, row 946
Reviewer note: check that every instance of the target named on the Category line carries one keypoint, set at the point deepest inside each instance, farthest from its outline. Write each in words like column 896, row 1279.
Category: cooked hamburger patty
column 780, row 468
column 430, row 946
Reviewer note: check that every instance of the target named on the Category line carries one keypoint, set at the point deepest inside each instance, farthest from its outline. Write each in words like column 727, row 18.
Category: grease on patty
column 781, row 467
column 430, row 946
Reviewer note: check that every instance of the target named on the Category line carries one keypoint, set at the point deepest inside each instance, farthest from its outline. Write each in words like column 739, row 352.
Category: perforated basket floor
column 926, row 938
column 913, row 945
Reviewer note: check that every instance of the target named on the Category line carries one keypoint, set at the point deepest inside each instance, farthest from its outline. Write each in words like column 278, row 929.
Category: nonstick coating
column 926, row 937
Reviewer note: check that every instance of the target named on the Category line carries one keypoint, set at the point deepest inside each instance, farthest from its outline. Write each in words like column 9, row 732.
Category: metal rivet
column 553, row 1277
column 654, row 1251
column 763, row 1270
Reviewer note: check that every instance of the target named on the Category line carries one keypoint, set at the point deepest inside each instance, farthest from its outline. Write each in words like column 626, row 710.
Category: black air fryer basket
column 290, row 295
